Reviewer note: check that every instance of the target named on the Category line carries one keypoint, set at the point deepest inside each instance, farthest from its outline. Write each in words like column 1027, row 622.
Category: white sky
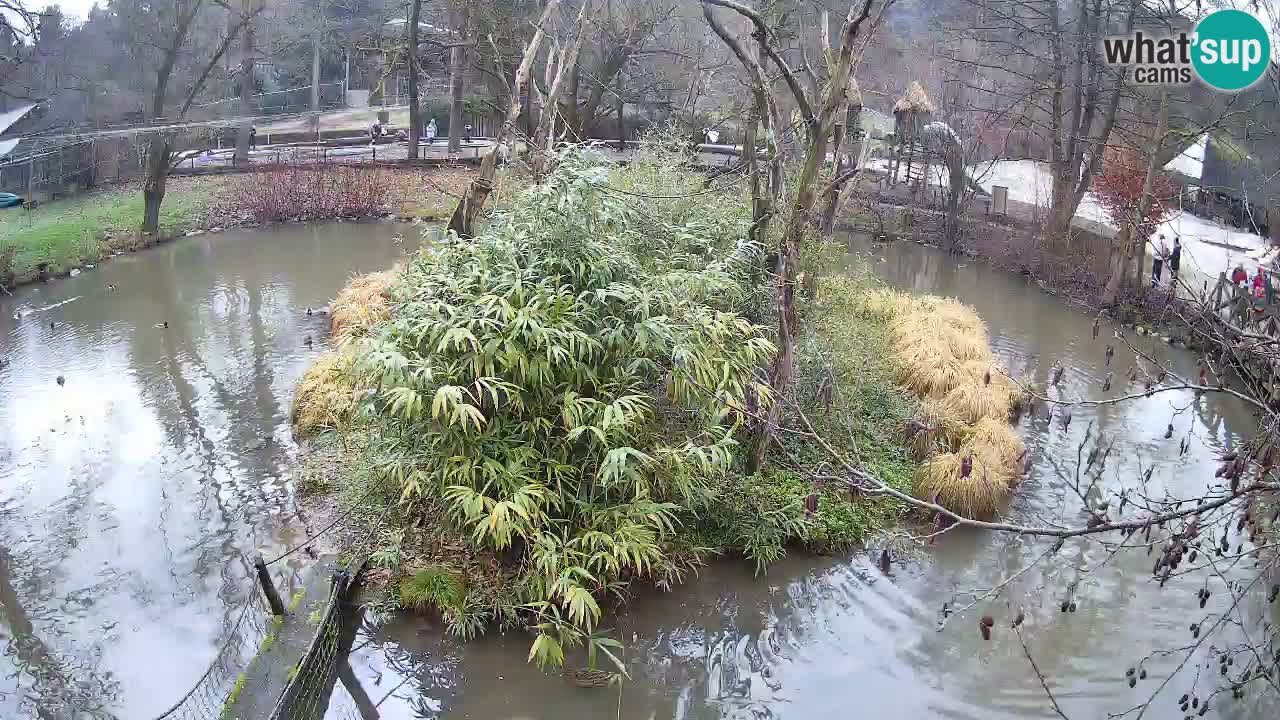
column 76, row 9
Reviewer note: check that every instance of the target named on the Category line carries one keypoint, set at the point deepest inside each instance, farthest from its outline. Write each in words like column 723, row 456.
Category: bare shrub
column 310, row 191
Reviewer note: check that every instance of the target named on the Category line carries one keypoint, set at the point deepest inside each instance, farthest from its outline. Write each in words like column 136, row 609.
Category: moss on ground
column 72, row 232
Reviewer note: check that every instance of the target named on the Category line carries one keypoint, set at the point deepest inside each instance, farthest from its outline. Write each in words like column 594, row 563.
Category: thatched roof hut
column 914, row 101
column 913, row 111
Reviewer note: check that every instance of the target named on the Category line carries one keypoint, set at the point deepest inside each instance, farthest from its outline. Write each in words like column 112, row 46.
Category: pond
column 130, row 493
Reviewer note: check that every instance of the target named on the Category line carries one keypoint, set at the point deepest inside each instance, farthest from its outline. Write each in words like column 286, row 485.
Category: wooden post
column 268, row 587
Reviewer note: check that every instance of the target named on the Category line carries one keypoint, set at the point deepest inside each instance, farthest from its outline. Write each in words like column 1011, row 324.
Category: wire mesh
column 306, row 697
column 206, row 699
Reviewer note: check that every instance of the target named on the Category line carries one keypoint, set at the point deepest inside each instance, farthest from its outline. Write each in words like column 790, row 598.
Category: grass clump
column 979, row 493
column 363, row 303
column 943, row 359
column 327, row 396
column 434, row 587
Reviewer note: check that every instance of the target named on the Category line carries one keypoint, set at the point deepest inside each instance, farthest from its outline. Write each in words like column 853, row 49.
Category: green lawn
column 70, row 232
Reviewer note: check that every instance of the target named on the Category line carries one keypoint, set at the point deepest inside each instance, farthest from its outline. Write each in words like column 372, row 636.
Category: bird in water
column 308, row 312
column 52, row 324
column 1057, row 374
column 588, row 678
column 61, row 380
column 307, row 341
column 886, row 561
column 164, row 324
column 111, row 288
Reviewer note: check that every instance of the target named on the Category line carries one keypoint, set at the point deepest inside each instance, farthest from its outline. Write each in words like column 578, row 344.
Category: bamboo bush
column 565, row 385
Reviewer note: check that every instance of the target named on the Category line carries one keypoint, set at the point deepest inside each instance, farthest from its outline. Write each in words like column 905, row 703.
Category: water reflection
column 833, row 638
column 128, row 495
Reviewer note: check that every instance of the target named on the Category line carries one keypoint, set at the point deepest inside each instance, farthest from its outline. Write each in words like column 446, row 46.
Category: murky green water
column 129, row 494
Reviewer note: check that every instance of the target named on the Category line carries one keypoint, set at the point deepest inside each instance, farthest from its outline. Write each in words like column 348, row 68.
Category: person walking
column 430, row 132
column 253, row 138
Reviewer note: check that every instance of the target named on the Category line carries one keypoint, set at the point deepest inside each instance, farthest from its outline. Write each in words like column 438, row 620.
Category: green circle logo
column 1232, row 50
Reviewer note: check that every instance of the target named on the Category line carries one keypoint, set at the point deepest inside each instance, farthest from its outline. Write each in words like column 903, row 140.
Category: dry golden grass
column 934, row 430
column 364, row 302
column 944, row 358
column 995, row 440
column 326, row 396
column 987, row 372
column 978, row 496
column 929, row 375
column 972, row 401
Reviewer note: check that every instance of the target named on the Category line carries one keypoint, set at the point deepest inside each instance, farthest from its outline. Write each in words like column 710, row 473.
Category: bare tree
column 459, row 20
column 1029, row 59
column 248, row 61
column 19, row 46
column 462, row 222
column 800, row 218
column 173, row 24
column 415, row 111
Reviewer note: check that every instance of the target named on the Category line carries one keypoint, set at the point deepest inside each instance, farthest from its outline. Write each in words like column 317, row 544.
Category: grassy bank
column 560, row 408
column 69, row 233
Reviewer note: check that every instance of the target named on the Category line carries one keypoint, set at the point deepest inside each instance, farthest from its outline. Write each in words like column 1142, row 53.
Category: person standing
column 1260, row 282
column 1157, row 262
column 430, row 132
column 253, row 138
column 1175, row 260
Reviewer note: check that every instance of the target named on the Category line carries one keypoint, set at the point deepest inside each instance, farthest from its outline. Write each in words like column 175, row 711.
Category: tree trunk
column 154, row 186
column 565, row 67
column 753, row 169
column 246, row 88
column 415, row 113
column 457, row 70
column 315, row 66
column 622, row 123
column 568, row 105
column 1132, row 234
column 819, row 129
